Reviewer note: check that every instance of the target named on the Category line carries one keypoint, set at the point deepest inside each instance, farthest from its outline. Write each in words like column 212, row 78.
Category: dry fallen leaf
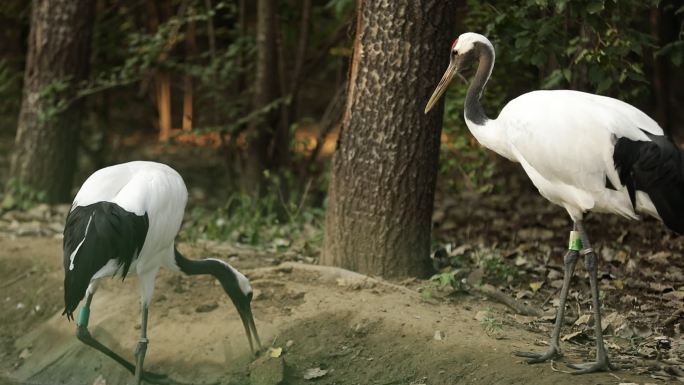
column 535, row 286
column 584, row 319
column 572, row 336
column 275, row 352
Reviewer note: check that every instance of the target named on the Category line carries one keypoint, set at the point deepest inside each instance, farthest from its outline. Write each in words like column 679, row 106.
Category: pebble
column 267, row 370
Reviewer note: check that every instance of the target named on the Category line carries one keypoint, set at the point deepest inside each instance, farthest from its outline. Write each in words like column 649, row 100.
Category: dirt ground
column 356, row 330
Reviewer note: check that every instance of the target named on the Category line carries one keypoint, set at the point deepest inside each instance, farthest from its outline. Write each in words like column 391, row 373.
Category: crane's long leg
column 569, row 262
column 84, row 336
column 591, row 263
column 141, row 349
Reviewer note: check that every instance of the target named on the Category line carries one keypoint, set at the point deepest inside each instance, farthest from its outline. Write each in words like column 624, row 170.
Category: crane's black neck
column 473, row 107
column 220, row 270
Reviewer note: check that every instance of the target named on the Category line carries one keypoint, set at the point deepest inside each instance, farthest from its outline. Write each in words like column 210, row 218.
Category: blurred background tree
column 244, row 96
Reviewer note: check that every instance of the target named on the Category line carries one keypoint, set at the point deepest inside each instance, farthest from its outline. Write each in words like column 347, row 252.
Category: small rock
column 314, row 373
column 481, row 315
column 39, row 211
column 285, row 269
column 206, row 308
column 100, row 380
column 26, row 353
column 439, row 335
column 267, row 371
column 28, row 229
column 289, row 344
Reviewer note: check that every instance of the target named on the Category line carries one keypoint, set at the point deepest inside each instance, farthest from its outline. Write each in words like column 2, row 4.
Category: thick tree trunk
column 260, row 132
column 47, row 134
column 385, row 166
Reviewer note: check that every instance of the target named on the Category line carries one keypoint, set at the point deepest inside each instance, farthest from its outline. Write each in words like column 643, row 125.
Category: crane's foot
column 535, row 358
column 602, row 365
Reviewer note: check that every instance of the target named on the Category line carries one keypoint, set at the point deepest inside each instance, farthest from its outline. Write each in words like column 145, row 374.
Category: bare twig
column 16, row 279
column 492, row 293
column 674, row 317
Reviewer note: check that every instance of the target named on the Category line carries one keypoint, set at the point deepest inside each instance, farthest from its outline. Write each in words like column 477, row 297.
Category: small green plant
column 280, row 217
column 490, row 324
column 496, row 269
column 445, row 279
column 441, row 282
column 19, row 195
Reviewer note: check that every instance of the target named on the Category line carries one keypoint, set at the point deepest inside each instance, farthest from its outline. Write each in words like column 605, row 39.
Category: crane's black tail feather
column 93, row 235
column 657, row 169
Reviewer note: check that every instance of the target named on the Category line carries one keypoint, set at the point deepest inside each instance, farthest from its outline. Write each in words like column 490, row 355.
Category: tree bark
column 58, row 59
column 385, row 167
column 261, row 131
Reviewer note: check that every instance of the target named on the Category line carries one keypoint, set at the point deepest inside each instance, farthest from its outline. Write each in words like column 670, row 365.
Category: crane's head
column 465, row 51
column 238, row 288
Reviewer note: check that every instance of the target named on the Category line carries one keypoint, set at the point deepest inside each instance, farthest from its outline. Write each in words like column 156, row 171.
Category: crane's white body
column 565, row 141
column 141, row 187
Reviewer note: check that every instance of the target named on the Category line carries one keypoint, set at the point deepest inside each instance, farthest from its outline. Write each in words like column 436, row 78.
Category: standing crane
column 582, row 151
column 123, row 221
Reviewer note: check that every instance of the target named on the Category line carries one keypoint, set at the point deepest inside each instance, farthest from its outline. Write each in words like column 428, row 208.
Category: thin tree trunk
column 164, row 105
column 385, row 167
column 47, row 136
column 190, row 52
column 261, row 131
column 296, row 81
column 281, row 142
column 211, row 37
column 660, row 82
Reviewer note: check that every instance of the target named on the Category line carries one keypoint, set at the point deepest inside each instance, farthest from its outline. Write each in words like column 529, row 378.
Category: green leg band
column 83, row 316
column 575, row 243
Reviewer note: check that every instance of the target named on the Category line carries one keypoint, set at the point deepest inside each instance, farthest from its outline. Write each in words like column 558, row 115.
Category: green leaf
column 595, row 7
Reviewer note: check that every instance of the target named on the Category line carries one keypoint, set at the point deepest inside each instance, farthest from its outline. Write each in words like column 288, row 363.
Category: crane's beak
column 443, row 84
column 250, row 328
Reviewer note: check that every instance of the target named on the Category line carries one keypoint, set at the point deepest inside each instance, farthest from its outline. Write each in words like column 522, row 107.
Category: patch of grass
column 496, row 270
column 270, row 221
column 21, row 196
column 490, row 324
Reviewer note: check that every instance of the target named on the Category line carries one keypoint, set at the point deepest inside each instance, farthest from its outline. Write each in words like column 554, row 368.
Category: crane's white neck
column 484, row 129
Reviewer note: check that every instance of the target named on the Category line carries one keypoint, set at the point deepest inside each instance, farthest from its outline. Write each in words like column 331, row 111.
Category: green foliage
column 10, row 94
column 340, row 7
column 674, row 51
column 599, row 46
column 276, row 218
column 20, row 196
column 490, row 324
column 53, row 100
column 496, row 270
column 591, row 45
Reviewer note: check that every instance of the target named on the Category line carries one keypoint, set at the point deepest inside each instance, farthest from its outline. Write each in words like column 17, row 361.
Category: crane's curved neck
column 476, row 119
column 473, row 108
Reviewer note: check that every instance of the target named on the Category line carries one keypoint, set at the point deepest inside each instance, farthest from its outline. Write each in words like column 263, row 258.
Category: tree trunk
column 261, row 131
column 47, row 132
column 385, row 167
